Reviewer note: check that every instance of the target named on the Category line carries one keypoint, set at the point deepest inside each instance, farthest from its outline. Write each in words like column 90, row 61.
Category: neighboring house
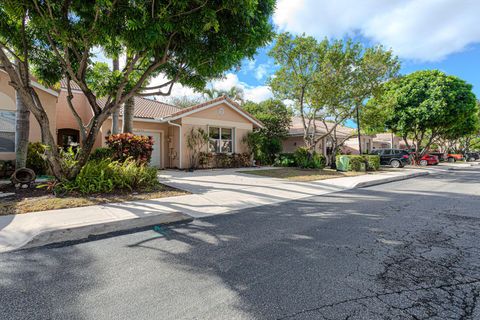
column 47, row 96
column 346, row 138
column 386, row 140
column 390, row 141
column 295, row 139
column 224, row 120
column 351, row 145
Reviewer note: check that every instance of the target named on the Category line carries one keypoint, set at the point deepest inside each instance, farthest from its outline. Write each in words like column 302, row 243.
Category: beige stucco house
column 47, row 96
column 389, row 140
column 223, row 119
column 346, row 137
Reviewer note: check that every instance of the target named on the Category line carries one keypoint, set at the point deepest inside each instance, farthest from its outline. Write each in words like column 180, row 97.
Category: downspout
column 179, row 142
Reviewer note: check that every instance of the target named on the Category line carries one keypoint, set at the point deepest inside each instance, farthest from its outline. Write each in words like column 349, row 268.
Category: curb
column 97, row 231
column 389, row 179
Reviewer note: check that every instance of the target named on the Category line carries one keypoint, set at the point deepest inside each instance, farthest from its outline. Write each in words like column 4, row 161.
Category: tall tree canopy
column 427, row 105
column 187, row 41
column 327, row 80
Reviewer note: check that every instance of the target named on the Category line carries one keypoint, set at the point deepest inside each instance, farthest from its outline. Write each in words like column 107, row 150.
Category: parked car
column 472, row 156
column 396, row 158
column 453, row 157
column 441, row 156
column 426, row 160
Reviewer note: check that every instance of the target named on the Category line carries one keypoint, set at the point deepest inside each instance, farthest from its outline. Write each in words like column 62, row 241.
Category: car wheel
column 451, row 160
column 395, row 164
column 423, row 163
column 471, row 159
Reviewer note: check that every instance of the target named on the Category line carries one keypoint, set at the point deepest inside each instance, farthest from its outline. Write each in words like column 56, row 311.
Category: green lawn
column 297, row 174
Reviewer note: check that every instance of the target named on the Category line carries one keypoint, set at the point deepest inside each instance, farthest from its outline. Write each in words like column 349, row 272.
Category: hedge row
column 372, row 162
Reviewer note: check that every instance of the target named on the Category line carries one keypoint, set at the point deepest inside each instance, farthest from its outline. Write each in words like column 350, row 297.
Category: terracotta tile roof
column 73, row 85
column 296, row 128
column 152, row 109
column 147, row 108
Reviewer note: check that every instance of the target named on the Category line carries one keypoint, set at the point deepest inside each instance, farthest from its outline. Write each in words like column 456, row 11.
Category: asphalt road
column 404, row 250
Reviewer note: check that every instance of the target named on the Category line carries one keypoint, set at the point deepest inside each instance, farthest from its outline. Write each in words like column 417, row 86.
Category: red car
column 427, row 160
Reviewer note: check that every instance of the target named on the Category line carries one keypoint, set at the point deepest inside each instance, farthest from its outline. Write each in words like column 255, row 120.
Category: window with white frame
column 220, row 140
column 7, row 131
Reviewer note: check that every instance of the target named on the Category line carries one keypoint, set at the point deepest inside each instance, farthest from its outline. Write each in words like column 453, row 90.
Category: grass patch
column 303, row 175
column 42, row 202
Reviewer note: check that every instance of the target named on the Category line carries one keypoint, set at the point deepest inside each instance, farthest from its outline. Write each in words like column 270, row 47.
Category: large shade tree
column 425, row 106
column 187, row 41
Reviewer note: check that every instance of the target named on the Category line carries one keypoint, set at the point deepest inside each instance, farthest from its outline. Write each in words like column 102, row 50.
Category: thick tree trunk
column 22, row 131
column 115, row 126
column 128, row 109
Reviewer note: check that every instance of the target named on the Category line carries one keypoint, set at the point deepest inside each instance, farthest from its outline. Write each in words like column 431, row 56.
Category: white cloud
column 426, row 30
column 261, row 71
column 253, row 93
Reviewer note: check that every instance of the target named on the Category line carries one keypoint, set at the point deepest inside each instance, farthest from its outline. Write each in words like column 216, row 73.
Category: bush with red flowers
column 125, row 145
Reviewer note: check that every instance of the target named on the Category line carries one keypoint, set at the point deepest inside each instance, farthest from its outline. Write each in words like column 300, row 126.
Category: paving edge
column 390, row 179
column 100, row 230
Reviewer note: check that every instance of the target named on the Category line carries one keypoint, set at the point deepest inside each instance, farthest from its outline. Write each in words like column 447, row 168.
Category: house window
column 220, row 140
column 7, row 131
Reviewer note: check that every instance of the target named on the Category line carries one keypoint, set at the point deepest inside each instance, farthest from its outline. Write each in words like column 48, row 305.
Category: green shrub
column 101, row 153
column 358, row 162
column 305, row 159
column 128, row 145
column 373, row 162
column 104, row 176
column 224, row 160
column 35, row 159
column 285, row 160
column 7, row 167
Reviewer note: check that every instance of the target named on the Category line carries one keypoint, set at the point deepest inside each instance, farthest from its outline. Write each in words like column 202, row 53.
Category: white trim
column 258, row 124
column 217, row 123
column 73, row 90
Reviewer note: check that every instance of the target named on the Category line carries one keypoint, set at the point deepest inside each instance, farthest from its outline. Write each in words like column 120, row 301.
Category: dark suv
column 396, row 158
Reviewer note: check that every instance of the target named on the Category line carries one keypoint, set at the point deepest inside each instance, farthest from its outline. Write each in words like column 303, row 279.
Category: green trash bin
column 343, row 163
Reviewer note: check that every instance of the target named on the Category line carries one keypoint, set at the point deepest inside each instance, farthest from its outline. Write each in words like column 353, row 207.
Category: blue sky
column 426, row 34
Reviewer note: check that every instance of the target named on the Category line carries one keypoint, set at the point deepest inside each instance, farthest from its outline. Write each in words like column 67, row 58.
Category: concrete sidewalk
column 213, row 192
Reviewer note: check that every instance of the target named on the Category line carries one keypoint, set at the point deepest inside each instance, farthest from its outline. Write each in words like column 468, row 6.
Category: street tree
column 185, row 41
column 327, row 80
column 425, row 106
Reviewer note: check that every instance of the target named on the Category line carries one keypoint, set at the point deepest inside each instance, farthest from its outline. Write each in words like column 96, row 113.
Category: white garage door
column 156, row 153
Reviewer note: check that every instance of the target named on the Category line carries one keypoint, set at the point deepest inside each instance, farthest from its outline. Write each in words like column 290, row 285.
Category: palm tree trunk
column 128, row 109
column 22, row 130
column 115, row 127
